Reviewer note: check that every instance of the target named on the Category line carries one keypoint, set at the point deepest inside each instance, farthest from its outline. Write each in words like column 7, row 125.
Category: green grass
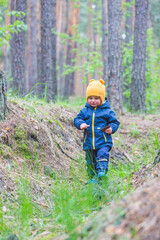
column 134, row 132
column 68, row 201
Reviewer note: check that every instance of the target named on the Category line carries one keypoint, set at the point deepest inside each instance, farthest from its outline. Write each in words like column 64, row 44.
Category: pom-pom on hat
column 96, row 88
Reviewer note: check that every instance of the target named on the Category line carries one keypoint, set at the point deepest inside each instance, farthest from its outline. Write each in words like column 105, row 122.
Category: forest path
column 45, row 132
column 136, row 216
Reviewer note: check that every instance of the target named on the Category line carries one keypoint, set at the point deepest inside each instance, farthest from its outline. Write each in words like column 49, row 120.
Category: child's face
column 94, row 101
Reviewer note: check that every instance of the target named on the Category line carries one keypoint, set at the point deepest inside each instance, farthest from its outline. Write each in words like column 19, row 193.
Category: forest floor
column 38, row 140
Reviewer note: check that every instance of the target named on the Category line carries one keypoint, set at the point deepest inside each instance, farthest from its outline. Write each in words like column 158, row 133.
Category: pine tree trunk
column 64, row 24
column 75, row 22
column 114, row 55
column 68, row 77
column 3, row 96
column 46, row 49
column 105, row 40
column 53, row 45
column 19, row 79
column 128, row 38
column 68, row 63
column 32, row 46
column 38, row 37
column 12, row 19
column 12, row 42
column 138, row 88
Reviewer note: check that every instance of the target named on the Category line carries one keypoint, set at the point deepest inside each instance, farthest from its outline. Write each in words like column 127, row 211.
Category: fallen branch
column 128, row 157
column 64, row 152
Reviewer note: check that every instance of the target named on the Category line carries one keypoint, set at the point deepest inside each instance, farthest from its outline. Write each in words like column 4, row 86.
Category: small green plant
column 25, row 209
column 134, row 131
column 156, row 139
column 6, row 31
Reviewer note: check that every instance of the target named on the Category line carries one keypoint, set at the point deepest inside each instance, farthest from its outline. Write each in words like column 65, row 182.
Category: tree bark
column 114, row 55
column 54, row 51
column 46, row 49
column 3, row 96
column 105, row 40
column 19, row 78
column 68, row 63
column 64, row 24
column 128, row 38
column 138, row 88
column 32, row 46
column 38, row 37
column 69, row 81
column 12, row 43
column 75, row 22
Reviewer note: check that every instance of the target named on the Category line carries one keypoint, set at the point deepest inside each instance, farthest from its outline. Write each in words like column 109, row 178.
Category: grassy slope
column 39, row 205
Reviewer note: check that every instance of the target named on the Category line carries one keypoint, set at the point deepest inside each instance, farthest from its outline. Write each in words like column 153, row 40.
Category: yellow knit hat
column 96, row 88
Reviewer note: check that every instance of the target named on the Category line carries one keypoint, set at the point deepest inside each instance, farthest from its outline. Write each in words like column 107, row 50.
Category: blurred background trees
column 138, row 84
column 53, row 48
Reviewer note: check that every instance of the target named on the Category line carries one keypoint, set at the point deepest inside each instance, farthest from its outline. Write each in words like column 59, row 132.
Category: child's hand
column 84, row 126
column 108, row 130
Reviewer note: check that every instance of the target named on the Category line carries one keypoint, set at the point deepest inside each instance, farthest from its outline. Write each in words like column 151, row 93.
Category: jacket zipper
column 105, row 137
column 93, row 129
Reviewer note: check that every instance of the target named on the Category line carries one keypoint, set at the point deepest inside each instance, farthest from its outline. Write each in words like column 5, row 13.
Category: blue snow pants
column 97, row 160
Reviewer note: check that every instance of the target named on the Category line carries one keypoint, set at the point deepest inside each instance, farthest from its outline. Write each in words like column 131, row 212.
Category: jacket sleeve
column 79, row 119
column 113, row 122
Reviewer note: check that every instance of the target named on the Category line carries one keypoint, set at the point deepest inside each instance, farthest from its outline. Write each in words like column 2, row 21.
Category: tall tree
column 19, row 79
column 53, row 45
column 68, row 63
column 75, row 23
column 73, row 20
column 138, row 95
column 12, row 41
column 32, row 45
column 63, row 29
column 38, row 17
column 90, row 38
column 114, row 55
column 128, row 47
column 46, row 49
column 105, row 40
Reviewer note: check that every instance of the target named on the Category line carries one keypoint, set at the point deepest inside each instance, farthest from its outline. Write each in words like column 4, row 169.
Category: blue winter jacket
column 97, row 118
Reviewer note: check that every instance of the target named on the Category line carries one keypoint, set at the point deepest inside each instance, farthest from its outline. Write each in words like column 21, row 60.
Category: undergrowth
column 69, row 201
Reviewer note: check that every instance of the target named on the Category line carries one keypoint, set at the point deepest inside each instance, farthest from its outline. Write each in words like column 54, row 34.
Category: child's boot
column 101, row 174
column 93, row 181
column 102, row 167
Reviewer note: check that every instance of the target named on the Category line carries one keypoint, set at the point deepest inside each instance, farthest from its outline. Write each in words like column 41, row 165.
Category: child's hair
column 96, row 88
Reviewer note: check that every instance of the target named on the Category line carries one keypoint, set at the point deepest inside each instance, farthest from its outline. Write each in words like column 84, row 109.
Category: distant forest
column 52, row 49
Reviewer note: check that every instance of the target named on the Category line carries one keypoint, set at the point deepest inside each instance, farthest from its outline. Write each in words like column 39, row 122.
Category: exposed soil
column 43, row 137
